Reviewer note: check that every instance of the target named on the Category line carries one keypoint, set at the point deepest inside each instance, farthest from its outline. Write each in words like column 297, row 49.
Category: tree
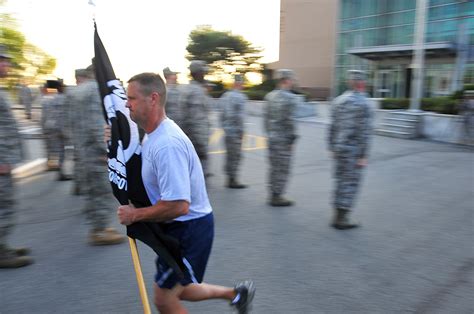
column 225, row 52
column 27, row 59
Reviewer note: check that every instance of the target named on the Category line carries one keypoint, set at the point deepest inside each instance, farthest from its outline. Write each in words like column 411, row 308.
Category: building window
column 442, row 31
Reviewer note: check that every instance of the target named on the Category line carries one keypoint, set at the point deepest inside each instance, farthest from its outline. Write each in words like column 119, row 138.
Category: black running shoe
column 246, row 291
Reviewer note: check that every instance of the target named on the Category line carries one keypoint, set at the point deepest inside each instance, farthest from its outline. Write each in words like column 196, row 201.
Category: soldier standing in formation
column 50, row 123
column 281, row 130
column 59, row 136
column 93, row 154
column 349, row 135
column 76, row 121
column 10, row 154
column 195, row 120
column 25, row 99
column 173, row 110
column 466, row 111
column 233, row 107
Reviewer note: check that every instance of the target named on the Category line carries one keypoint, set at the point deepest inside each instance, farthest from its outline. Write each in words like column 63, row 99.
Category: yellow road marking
column 216, row 135
column 250, row 142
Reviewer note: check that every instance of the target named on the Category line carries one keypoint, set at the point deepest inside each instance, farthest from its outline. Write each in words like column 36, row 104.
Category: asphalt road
column 413, row 254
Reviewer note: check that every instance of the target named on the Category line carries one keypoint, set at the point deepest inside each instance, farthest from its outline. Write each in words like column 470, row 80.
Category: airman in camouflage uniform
column 25, row 99
column 54, row 127
column 92, row 150
column 50, row 123
column 173, row 110
column 10, row 154
column 349, row 135
column 195, row 119
column 76, row 121
column 232, row 119
column 466, row 111
column 281, row 130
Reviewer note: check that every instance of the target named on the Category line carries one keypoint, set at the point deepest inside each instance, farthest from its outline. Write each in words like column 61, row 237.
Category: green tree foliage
column 223, row 51
column 27, row 59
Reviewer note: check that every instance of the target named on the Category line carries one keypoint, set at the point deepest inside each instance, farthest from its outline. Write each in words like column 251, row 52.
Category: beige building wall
column 307, row 42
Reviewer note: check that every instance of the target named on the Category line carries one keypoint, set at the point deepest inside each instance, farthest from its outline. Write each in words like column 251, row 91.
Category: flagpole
column 138, row 272
column 132, row 242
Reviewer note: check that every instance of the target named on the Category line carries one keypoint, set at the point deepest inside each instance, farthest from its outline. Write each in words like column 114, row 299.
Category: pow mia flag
column 124, row 159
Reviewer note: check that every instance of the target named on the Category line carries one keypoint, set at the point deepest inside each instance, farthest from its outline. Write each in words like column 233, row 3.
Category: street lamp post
column 418, row 63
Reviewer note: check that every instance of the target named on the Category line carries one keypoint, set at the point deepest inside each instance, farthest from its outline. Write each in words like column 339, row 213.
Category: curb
column 30, row 168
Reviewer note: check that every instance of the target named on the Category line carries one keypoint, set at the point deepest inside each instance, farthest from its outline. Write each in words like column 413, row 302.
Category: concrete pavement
column 413, row 254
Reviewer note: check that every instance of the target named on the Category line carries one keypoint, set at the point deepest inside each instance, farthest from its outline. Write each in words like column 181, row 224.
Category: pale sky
column 140, row 35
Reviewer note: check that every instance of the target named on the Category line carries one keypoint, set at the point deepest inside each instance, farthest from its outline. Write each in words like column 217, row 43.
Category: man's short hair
column 151, row 83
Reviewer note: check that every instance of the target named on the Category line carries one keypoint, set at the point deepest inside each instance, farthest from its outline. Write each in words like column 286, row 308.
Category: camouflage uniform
column 92, row 152
column 195, row 120
column 10, row 154
column 466, row 111
column 25, row 99
column 281, row 130
column 76, row 120
column 51, row 105
column 65, row 115
column 349, row 135
column 232, row 119
column 172, row 103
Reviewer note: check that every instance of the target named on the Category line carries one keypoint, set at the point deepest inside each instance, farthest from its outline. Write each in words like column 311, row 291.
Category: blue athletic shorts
column 195, row 237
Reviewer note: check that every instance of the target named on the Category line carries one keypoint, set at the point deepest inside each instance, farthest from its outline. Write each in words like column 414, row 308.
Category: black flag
column 124, row 159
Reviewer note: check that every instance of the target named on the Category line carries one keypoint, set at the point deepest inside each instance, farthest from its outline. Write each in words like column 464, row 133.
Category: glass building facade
column 377, row 36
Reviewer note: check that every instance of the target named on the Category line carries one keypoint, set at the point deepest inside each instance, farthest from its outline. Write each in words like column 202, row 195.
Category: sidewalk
column 442, row 128
column 34, row 161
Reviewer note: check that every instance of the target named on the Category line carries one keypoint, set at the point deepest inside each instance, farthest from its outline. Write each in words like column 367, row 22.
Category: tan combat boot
column 14, row 258
column 107, row 236
column 232, row 183
column 279, row 201
column 20, row 251
column 52, row 165
column 341, row 220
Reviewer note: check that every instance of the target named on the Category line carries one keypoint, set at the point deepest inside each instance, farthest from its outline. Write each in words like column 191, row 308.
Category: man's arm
column 365, row 130
column 10, row 140
column 266, row 113
column 160, row 212
column 332, row 127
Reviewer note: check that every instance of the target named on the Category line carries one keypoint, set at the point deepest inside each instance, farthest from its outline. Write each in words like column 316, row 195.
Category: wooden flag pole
column 138, row 272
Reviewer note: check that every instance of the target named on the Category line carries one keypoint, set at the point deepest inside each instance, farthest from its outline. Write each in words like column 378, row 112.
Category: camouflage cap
column 238, row 78
column 284, row 74
column 90, row 71
column 3, row 52
column 198, row 66
column 167, row 72
column 53, row 84
column 356, row 75
column 90, row 68
column 81, row 73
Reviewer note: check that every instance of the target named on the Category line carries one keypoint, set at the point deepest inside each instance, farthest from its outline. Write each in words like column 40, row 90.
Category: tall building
column 377, row 36
column 307, row 43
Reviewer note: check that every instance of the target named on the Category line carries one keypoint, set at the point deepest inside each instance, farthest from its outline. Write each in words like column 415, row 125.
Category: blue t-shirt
column 171, row 170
